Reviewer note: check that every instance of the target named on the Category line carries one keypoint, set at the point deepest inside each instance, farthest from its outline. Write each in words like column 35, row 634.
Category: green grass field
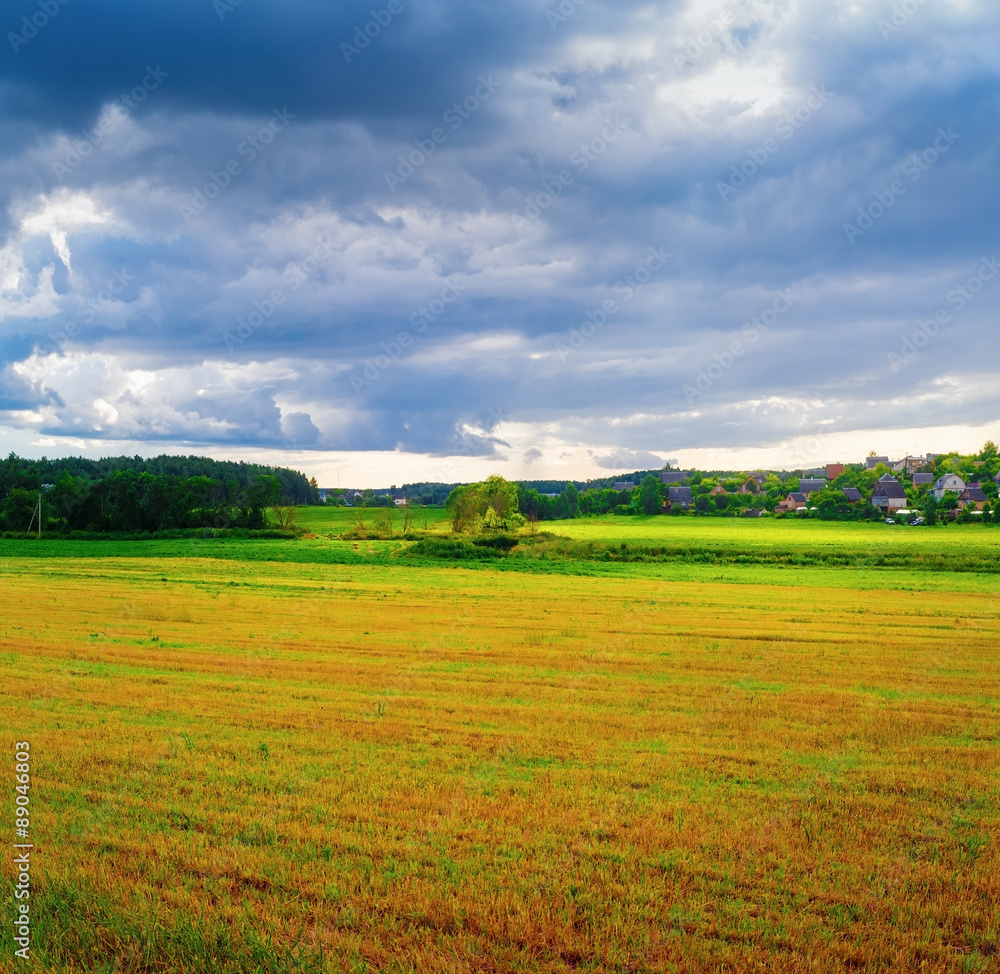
column 332, row 755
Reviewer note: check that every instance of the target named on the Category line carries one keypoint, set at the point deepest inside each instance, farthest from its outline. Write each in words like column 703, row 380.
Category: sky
column 408, row 240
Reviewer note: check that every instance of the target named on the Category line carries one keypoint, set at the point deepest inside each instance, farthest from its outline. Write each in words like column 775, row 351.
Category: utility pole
column 37, row 512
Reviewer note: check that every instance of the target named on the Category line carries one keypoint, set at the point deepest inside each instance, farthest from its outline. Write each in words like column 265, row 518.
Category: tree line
column 129, row 494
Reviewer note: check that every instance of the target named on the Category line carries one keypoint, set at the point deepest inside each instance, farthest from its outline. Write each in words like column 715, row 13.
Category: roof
column 680, row 495
column 624, row 485
column 674, row 476
column 852, row 493
column 972, row 494
column 799, row 498
column 939, row 484
column 893, row 490
column 887, row 478
column 808, row 485
column 923, row 478
column 872, row 462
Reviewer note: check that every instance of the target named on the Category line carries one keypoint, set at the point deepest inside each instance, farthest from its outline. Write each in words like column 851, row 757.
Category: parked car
column 917, row 520
column 889, row 520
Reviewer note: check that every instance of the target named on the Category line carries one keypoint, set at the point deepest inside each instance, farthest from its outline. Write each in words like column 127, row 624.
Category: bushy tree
column 491, row 505
column 17, row 509
column 650, row 500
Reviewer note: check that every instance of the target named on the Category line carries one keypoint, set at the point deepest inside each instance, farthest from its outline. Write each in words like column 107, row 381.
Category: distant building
column 872, row 462
column 749, row 486
column 760, row 476
column 950, row 481
column 973, row 497
column 795, row 501
column 834, row 470
column 922, row 479
column 889, row 494
column 909, row 465
column 752, row 512
column 853, row 495
column 674, row 476
column 717, row 490
column 810, row 486
column 622, row 485
column 680, row 496
column 399, row 501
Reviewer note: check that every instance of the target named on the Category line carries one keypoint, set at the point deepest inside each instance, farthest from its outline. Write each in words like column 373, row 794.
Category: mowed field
column 270, row 766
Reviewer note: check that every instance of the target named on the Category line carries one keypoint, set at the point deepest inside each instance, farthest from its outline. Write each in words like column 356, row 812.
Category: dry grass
column 255, row 766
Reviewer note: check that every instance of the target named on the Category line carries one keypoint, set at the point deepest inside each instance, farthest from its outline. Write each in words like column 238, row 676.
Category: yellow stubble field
column 271, row 767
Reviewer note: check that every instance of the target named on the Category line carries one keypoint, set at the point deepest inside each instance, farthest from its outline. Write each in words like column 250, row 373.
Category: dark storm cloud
column 286, row 216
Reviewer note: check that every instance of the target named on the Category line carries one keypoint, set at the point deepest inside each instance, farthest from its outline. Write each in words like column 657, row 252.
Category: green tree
column 572, row 496
column 930, row 509
column 650, row 500
column 492, row 504
column 18, row 506
column 703, row 503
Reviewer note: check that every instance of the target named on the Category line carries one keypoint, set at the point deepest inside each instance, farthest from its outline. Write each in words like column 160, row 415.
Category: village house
column 973, row 497
column 811, row 485
column 922, row 479
column 853, row 495
column 950, row 481
column 680, row 496
column 717, row 491
column 872, row 462
column 909, row 465
column 674, row 476
column 624, row 485
column 834, row 470
column 795, row 501
column 749, row 486
column 889, row 494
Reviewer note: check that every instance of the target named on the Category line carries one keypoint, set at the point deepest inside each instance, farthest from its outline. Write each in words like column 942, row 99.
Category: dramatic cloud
column 629, row 460
column 565, row 238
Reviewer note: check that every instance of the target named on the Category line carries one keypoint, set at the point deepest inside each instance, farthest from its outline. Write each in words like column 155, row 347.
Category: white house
column 950, row 481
